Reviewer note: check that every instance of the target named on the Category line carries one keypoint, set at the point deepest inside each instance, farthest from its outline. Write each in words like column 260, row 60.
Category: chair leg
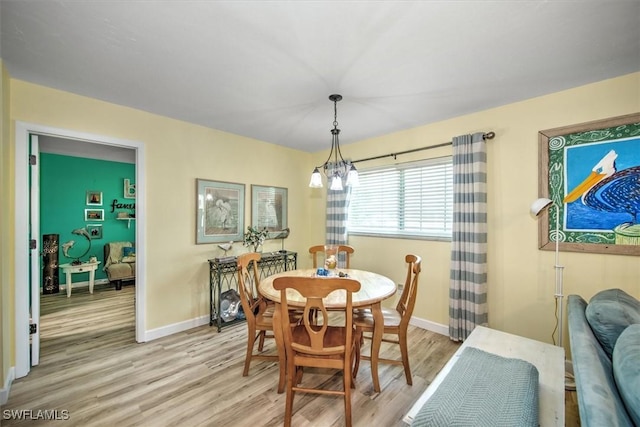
column 299, row 372
column 261, row 342
column 355, row 360
column 251, row 337
column 402, row 340
column 358, row 345
column 288, row 411
column 347, row 396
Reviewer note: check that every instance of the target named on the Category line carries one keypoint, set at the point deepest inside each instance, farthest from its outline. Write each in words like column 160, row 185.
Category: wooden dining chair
column 258, row 311
column 396, row 321
column 344, row 249
column 319, row 345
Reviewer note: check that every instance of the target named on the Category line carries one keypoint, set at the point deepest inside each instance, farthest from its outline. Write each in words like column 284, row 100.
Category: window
column 408, row 200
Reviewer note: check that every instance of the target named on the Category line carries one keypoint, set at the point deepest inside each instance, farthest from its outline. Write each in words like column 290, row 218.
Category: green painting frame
column 552, row 147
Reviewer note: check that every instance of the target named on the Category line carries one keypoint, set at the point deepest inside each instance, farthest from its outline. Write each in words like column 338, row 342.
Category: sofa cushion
column 626, row 369
column 599, row 400
column 609, row 313
column 121, row 271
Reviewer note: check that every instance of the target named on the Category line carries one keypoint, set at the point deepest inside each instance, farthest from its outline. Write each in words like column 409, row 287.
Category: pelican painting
column 607, row 199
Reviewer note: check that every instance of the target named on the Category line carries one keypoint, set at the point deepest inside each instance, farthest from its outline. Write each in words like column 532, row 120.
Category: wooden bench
column 548, row 360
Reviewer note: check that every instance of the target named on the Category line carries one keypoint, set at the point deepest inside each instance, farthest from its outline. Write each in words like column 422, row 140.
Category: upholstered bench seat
column 484, row 389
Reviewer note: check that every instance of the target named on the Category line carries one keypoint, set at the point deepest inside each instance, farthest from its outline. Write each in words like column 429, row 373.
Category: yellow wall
column 520, row 277
column 6, row 231
column 176, row 154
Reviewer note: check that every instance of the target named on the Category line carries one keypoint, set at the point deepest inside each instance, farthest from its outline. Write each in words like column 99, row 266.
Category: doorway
column 27, row 297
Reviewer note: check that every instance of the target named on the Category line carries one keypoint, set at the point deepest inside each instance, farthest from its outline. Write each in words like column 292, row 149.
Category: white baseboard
column 63, row 286
column 165, row 331
column 4, row 392
column 430, row 326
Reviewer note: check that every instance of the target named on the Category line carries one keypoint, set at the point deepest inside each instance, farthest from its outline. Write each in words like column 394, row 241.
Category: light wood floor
column 91, row 367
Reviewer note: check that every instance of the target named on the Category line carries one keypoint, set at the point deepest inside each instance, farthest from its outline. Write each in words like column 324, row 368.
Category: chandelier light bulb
column 336, row 183
column 353, row 179
column 316, row 179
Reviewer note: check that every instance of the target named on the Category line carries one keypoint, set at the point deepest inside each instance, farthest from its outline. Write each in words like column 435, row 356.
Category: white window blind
column 408, row 200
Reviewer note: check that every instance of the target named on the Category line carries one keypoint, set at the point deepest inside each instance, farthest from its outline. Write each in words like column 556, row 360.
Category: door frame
column 22, row 202
column 35, row 276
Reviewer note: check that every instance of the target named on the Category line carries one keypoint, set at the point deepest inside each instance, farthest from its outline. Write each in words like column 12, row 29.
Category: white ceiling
column 265, row 69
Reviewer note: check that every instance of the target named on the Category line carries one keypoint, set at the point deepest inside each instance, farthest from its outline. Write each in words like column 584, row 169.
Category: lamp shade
column 336, row 183
column 353, row 179
column 540, row 205
column 316, row 179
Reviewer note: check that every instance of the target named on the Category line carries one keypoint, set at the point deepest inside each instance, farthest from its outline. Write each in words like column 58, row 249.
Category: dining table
column 374, row 288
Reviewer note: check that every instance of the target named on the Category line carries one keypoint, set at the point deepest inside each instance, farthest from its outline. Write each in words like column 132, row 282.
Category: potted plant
column 254, row 237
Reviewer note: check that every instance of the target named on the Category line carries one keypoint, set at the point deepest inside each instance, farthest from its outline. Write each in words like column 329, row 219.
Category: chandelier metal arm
column 341, row 168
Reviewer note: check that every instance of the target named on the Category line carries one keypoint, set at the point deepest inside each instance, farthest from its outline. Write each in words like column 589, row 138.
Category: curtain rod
column 488, row 135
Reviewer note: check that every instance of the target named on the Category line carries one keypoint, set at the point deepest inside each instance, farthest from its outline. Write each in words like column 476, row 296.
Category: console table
column 223, row 275
column 85, row 267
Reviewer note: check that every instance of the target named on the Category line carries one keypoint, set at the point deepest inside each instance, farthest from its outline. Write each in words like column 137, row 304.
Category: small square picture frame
column 95, row 231
column 94, row 214
column 94, row 198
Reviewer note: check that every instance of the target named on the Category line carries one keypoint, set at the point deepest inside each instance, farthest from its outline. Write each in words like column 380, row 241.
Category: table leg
column 378, row 329
column 92, row 276
column 282, row 359
column 68, row 284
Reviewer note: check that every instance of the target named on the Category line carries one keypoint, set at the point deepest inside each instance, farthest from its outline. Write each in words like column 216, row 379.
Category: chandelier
column 337, row 170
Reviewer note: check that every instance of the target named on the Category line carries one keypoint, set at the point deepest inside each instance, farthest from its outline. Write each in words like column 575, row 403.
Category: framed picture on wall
column 269, row 209
column 95, row 231
column 94, row 198
column 219, row 211
column 591, row 172
column 94, row 214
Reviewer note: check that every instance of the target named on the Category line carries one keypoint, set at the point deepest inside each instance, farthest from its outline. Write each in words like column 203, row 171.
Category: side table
column 85, row 267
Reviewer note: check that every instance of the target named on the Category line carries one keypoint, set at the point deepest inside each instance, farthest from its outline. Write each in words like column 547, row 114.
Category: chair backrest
column 252, row 302
column 407, row 300
column 346, row 250
column 314, row 289
column 113, row 252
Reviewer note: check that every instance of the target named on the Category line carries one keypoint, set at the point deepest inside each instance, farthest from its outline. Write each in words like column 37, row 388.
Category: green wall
column 64, row 182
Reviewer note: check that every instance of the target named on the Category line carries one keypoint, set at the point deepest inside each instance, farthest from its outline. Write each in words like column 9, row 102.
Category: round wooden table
column 374, row 288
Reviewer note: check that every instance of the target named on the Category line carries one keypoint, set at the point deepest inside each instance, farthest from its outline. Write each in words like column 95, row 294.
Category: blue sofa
column 605, row 348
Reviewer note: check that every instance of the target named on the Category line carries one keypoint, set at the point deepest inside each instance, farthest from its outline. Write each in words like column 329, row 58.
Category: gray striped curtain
column 337, row 214
column 468, row 284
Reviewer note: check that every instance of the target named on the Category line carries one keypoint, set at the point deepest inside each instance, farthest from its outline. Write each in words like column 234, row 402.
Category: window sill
column 401, row 236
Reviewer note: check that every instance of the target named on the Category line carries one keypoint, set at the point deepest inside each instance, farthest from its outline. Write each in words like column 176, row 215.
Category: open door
column 34, row 250
column 28, row 260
